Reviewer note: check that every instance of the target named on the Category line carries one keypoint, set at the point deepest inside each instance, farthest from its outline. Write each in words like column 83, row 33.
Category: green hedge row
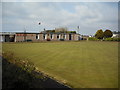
column 93, row 39
column 106, row 39
column 112, row 39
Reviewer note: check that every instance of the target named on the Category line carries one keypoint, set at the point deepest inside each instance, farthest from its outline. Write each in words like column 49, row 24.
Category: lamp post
column 24, row 35
column 78, row 29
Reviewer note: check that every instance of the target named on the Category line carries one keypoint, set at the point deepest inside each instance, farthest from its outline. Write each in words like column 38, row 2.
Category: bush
column 28, row 40
column 93, row 39
column 116, row 39
column 73, row 32
column 112, row 39
column 108, row 39
column 48, row 39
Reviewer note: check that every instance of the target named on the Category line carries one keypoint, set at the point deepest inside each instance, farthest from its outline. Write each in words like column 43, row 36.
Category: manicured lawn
column 81, row 64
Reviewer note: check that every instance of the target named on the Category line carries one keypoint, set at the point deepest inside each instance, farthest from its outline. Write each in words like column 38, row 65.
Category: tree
column 99, row 34
column 108, row 34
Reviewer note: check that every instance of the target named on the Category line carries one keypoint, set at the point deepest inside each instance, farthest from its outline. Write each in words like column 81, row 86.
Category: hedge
column 112, row 39
column 93, row 39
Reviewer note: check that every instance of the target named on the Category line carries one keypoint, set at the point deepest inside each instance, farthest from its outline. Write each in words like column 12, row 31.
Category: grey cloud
column 90, row 16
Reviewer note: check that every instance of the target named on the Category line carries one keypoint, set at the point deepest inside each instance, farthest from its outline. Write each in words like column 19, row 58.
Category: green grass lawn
column 81, row 64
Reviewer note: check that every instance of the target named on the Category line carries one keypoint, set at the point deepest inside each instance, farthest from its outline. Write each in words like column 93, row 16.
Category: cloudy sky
column 90, row 16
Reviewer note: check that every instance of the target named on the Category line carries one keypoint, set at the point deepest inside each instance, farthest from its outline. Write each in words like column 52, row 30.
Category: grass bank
column 20, row 73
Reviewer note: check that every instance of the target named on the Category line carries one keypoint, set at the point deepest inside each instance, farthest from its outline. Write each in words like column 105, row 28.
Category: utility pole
column 78, row 31
column 44, row 29
column 78, row 28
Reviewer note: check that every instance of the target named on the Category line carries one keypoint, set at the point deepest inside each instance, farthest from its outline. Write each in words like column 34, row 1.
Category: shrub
column 72, row 31
column 112, row 39
column 28, row 40
column 108, row 39
column 61, row 39
column 116, row 39
column 93, row 39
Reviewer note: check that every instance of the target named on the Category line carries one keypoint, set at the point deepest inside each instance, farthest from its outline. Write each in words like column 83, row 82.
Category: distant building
column 85, row 37
column 7, row 37
column 42, row 36
column 116, row 34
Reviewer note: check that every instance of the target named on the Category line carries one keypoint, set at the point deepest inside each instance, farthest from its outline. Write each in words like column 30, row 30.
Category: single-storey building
column 42, row 36
column 116, row 34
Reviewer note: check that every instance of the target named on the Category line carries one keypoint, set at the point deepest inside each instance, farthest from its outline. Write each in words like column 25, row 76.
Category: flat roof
column 7, row 33
column 26, row 33
column 13, row 33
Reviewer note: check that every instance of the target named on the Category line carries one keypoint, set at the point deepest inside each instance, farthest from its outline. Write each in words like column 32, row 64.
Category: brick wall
column 20, row 37
column 31, row 36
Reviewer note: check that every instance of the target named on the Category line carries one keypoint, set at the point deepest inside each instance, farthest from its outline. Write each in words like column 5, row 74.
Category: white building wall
column 2, row 38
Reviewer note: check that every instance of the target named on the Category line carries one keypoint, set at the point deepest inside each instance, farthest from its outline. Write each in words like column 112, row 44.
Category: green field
column 81, row 64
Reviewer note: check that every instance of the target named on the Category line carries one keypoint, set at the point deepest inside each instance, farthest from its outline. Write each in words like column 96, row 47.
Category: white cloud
column 60, row 0
column 90, row 16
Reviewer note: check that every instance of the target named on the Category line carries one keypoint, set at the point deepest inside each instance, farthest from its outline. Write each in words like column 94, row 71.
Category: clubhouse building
column 46, row 35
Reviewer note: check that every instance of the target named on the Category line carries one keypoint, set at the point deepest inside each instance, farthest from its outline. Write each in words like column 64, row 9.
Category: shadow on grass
column 15, row 76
